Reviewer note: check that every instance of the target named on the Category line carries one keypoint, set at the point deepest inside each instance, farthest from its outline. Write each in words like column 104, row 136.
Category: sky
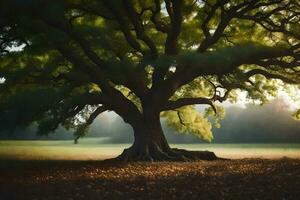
column 292, row 102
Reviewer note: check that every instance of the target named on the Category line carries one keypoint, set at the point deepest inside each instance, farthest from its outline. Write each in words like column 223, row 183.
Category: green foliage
column 296, row 114
column 131, row 96
column 199, row 87
column 216, row 116
column 59, row 60
column 27, row 104
column 188, row 120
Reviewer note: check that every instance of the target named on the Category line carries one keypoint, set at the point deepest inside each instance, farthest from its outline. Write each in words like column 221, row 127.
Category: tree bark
column 150, row 143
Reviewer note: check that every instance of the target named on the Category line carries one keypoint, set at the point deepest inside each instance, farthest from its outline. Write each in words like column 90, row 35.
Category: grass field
column 95, row 149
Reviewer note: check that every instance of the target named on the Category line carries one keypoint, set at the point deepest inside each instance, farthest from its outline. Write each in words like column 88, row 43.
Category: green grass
column 95, row 149
column 87, row 149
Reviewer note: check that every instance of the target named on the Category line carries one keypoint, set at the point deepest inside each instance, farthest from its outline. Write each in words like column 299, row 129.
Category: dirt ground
column 222, row 179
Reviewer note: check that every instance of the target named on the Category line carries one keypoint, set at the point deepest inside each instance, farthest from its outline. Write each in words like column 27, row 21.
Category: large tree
column 66, row 62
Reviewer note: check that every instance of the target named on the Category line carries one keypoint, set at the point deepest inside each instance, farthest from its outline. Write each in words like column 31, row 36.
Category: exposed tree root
column 155, row 153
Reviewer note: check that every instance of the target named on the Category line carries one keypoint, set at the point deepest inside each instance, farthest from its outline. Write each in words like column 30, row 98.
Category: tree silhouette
column 66, row 62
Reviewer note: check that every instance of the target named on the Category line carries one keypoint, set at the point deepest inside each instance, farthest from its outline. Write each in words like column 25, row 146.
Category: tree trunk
column 150, row 144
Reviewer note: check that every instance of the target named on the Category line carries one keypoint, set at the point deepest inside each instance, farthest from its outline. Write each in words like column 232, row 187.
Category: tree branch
column 197, row 65
column 135, row 19
column 156, row 11
column 175, row 14
column 211, row 39
column 80, row 132
column 180, row 118
column 77, row 38
column 172, row 105
column 171, row 48
column 124, row 28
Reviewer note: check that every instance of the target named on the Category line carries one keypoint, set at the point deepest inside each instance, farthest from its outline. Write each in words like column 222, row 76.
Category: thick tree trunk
column 150, row 144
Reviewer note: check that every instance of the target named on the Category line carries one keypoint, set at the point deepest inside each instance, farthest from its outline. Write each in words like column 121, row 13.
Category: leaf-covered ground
column 229, row 179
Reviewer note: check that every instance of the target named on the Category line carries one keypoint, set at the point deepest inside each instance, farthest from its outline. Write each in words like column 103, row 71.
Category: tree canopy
column 65, row 62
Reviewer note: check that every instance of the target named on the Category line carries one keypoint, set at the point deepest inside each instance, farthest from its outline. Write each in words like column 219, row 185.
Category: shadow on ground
column 229, row 179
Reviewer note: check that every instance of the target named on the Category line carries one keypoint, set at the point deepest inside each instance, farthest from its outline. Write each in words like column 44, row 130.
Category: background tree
column 143, row 60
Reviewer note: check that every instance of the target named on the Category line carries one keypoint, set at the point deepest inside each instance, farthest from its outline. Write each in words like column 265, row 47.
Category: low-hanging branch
column 81, row 130
column 172, row 105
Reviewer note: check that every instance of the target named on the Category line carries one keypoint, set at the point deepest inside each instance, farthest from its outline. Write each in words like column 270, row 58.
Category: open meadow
column 97, row 149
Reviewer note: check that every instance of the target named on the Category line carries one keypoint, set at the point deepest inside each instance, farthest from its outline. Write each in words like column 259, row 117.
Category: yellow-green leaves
column 131, row 96
column 188, row 120
column 199, row 87
column 296, row 115
column 216, row 117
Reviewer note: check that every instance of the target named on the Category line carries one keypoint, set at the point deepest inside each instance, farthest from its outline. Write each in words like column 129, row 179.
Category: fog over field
column 269, row 123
